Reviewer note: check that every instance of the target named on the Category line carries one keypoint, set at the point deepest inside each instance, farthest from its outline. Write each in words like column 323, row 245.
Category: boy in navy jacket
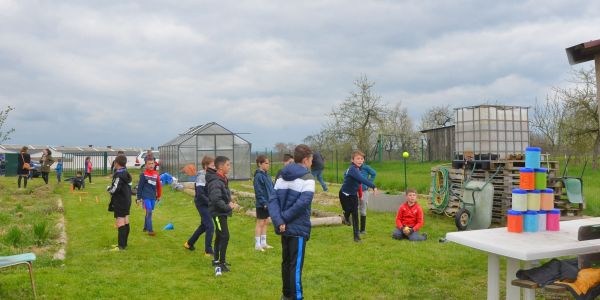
column 263, row 188
column 149, row 190
column 351, row 191
column 289, row 207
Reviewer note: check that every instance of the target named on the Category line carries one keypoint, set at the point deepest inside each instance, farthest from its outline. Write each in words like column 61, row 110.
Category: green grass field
column 160, row 268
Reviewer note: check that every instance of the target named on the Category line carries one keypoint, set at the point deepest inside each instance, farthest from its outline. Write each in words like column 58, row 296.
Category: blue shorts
column 149, row 204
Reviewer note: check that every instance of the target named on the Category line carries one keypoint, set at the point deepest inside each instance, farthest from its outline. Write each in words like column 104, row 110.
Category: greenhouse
column 211, row 139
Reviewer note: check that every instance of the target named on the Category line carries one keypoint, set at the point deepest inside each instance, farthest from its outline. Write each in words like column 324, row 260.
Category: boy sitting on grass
column 78, row 181
column 120, row 201
column 409, row 219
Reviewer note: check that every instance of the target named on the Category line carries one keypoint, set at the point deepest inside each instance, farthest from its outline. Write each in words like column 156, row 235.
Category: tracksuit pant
column 292, row 250
column 350, row 207
column 206, row 226
column 45, row 177
column 221, row 239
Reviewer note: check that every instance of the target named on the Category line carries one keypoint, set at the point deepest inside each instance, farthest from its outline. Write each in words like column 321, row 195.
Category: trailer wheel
column 461, row 219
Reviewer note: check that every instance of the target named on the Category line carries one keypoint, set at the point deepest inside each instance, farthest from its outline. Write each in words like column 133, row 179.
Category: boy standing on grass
column 201, row 202
column 149, row 190
column 289, row 206
column 409, row 219
column 263, row 188
column 220, row 207
column 59, row 168
column 352, row 190
column 120, row 201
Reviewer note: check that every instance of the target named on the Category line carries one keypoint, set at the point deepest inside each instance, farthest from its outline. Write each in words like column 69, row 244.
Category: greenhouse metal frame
column 208, row 139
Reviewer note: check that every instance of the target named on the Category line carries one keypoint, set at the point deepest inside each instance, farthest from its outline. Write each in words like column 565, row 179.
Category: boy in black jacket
column 120, row 201
column 220, row 207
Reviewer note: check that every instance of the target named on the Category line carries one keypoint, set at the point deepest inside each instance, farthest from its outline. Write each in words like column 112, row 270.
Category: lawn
column 160, row 268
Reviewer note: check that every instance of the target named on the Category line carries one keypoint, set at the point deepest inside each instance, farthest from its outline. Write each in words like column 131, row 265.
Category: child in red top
column 149, row 190
column 409, row 219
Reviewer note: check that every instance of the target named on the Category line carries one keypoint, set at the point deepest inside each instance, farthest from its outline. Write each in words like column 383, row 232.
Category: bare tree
column 358, row 118
column 397, row 130
column 548, row 120
column 436, row 117
column 5, row 135
column 581, row 123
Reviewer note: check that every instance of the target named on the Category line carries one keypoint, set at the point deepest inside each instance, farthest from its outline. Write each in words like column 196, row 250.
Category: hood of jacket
column 124, row 176
column 293, row 171
column 211, row 175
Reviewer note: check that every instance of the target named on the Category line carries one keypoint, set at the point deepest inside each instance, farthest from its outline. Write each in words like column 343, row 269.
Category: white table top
column 530, row 246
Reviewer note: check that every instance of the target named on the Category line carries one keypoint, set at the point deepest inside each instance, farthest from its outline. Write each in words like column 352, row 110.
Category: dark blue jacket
column 367, row 172
column 352, row 179
column 263, row 188
column 290, row 203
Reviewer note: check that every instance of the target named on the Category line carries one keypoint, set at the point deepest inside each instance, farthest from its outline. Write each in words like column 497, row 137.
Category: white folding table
column 523, row 247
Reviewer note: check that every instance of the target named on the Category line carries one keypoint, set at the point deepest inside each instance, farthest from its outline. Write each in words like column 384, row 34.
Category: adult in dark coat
column 22, row 169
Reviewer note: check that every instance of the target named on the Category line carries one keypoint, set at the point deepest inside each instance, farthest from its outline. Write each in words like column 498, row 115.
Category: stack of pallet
column 505, row 180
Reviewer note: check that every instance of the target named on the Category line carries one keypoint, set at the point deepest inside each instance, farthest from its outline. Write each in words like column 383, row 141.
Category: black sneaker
column 224, row 267
column 189, row 247
column 357, row 239
column 215, row 263
column 424, row 236
column 363, row 232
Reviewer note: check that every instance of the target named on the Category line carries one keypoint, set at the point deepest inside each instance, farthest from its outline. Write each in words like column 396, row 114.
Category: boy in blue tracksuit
column 367, row 172
column 289, row 206
column 263, row 188
column 201, row 203
column 352, row 190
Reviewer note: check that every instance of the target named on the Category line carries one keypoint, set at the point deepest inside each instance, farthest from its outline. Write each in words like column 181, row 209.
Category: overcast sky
column 137, row 73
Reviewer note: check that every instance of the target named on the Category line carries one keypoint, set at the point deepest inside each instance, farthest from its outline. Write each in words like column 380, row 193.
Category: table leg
column 493, row 288
column 512, row 266
column 528, row 294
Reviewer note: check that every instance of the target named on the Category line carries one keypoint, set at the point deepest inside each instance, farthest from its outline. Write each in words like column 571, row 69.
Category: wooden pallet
column 504, row 182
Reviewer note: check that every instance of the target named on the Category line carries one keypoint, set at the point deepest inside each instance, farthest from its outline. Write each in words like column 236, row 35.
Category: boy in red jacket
column 409, row 219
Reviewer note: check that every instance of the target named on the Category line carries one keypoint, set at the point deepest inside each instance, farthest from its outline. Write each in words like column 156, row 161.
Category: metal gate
column 75, row 161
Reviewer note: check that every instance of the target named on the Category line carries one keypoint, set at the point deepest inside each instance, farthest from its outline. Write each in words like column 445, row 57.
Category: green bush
column 14, row 236
column 41, row 233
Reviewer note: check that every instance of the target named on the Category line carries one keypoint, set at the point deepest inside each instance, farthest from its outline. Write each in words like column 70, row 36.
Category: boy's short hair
column 220, row 161
column 79, row 173
column 206, row 160
column 149, row 158
column 356, row 153
column 410, row 190
column 48, row 150
column 301, row 152
column 261, row 159
column 120, row 152
column 287, row 157
column 121, row 160
column 87, row 157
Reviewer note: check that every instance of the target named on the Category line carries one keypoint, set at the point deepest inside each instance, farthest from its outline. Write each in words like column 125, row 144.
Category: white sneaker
column 218, row 271
column 259, row 248
column 266, row 246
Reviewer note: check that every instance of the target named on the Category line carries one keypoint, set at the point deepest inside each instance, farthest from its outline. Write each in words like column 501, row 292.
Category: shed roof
column 583, row 52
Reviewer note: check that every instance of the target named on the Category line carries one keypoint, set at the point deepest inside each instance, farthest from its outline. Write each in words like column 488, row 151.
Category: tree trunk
column 596, row 145
column 596, row 151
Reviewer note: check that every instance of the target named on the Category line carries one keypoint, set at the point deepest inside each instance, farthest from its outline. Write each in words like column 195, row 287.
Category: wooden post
column 597, row 67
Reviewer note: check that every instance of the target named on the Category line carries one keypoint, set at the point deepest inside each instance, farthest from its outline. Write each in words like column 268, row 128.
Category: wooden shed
column 440, row 143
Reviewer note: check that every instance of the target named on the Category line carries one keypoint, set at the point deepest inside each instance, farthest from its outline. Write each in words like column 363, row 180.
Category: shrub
column 41, row 233
column 14, row 237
